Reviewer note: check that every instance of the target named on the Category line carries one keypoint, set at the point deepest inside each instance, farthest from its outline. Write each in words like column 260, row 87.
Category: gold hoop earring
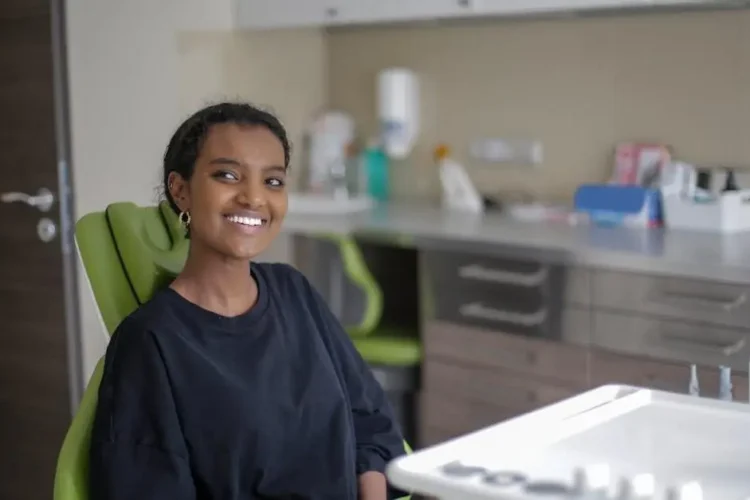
column 185, row 218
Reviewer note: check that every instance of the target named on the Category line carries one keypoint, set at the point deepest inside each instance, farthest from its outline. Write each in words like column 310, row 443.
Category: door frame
column 66, row 204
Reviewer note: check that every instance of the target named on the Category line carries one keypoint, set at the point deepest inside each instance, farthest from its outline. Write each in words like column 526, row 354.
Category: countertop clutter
column 688, row 254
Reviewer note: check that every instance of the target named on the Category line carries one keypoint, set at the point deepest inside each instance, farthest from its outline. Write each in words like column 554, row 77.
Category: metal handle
column 702, row 345
column 43, row 200
column 703, row 300
column 478, row 310
column 478, row 272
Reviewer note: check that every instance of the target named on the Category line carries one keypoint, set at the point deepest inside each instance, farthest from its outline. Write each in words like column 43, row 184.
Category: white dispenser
column 398, row 110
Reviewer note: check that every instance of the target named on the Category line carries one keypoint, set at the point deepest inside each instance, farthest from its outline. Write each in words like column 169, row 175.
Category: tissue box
column 618, row 205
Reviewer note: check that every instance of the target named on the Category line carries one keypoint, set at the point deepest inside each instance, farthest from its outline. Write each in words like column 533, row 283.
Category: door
column 35, row 266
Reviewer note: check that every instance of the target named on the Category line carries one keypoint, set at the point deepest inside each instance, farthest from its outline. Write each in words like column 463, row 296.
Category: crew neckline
column 230, row 323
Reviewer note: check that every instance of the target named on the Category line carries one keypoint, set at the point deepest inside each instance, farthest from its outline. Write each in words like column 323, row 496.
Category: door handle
column 43, row 200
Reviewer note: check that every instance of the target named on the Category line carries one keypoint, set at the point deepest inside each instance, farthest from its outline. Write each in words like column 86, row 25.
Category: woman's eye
column 226, row 175
column 275, row 182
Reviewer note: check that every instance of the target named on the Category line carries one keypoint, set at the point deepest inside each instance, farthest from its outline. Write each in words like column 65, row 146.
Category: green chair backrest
column 128, row 253
column 152, row 248
column 358, row 274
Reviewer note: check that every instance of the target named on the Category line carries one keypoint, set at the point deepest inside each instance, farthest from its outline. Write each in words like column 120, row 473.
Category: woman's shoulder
column 151, row 316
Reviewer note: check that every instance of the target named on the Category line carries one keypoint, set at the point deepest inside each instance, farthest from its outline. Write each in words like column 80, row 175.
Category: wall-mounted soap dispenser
column 398, row 111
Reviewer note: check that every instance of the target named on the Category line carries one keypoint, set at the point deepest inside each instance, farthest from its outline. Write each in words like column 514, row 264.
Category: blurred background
column 505, row 202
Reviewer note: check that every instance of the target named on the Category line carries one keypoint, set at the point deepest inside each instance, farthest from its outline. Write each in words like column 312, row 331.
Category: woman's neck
column 216, row 283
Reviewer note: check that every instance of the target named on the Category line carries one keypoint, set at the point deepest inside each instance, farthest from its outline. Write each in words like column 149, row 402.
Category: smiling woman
column 237, row 382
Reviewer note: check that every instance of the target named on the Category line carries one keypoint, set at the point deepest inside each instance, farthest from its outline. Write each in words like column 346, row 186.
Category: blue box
column 620, row 205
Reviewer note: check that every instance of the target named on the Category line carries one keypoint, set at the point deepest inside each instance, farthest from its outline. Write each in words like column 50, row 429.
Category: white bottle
column 459, row 193
column 398, row 110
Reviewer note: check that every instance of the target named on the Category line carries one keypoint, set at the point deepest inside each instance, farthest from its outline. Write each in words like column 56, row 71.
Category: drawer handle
column 703, row 301
column 479, row 310
column 481, row 273
column 702, row 345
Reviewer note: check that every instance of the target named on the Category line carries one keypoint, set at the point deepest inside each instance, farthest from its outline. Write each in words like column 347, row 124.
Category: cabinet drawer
column 467, row 269
column 515, row 295
column 494, row 386
column 577, row 286
column 431, row 435
column 704, row 301
column 455, row 416
column 609, row 368
column 477, row 347
column 671, row 340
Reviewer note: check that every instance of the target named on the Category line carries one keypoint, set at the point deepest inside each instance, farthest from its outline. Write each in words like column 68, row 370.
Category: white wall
column 137, row 67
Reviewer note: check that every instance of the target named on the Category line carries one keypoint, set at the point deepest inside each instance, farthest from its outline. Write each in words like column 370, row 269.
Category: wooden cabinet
column 503, row 335
column 601, row 327
column 648, row 330
column 609, row 367
column 474, row 377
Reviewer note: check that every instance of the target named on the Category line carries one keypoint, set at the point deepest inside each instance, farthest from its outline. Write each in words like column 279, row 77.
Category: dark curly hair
column 186, row 143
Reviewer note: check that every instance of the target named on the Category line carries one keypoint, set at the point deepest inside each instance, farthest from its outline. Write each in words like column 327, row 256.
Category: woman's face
column 237, row 195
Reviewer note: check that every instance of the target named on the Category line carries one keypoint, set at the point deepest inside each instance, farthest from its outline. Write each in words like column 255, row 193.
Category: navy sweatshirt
column 272, row 404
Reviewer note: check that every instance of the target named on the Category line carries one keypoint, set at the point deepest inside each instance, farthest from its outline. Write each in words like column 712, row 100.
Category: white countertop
column 677, row 253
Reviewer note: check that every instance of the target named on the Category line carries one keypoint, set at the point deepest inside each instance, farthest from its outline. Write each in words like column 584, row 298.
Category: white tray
column 696, row 445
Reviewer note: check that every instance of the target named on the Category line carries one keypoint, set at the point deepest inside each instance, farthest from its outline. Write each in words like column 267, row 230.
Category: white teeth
column 246, row 221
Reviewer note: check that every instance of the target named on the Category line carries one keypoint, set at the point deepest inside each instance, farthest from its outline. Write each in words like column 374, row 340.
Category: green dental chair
column 128, row 252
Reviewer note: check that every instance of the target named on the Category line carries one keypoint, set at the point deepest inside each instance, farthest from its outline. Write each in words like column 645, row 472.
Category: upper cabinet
column 383, row 11
column 260, row 14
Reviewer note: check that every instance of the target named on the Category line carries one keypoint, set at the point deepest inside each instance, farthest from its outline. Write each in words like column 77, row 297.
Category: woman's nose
column 252, row 194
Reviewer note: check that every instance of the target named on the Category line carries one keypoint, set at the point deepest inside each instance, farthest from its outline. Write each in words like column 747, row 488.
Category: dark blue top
column 274, row 403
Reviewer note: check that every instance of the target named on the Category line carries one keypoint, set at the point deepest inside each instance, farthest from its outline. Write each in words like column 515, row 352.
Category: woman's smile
column 250, row 223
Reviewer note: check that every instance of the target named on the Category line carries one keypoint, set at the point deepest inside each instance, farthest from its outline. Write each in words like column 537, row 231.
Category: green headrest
column 151, row 244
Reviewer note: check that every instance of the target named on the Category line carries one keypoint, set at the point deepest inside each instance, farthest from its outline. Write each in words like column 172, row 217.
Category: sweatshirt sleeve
column 137, row 448
column 379, row 439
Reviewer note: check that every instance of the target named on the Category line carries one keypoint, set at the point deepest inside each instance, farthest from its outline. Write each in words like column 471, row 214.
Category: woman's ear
column 179, row 190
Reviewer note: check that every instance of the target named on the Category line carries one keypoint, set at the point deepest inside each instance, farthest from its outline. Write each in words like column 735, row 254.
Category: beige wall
column 135, row 71
column 579, row 85
column 285, row 71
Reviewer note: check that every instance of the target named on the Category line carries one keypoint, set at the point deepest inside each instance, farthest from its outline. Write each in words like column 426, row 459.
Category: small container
column 725, row 383
column 375, row 171
column 727, row 213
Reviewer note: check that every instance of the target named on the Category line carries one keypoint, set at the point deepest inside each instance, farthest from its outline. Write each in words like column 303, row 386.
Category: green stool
column 394, row 354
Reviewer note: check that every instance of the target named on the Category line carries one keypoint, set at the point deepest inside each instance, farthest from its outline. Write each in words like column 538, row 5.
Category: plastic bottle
column 725, row 383
column 694, row 387
column 375, row 169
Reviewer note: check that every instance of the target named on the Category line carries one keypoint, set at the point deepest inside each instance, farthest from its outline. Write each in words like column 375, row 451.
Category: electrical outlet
column 517, row 151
